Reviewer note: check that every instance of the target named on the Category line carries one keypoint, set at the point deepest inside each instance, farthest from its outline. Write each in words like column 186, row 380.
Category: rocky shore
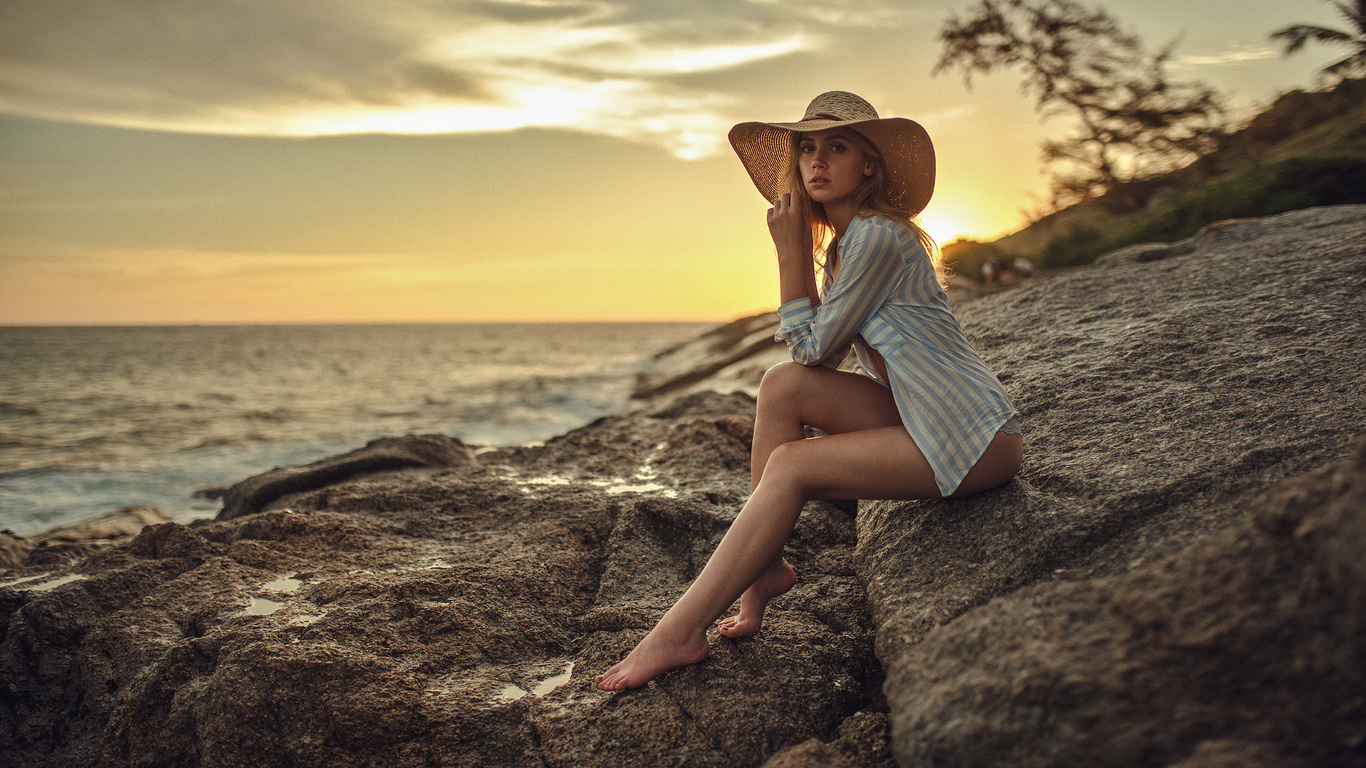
column 1174, row 579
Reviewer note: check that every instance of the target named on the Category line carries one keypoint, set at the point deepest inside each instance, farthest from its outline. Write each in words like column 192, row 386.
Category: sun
column 943, row 225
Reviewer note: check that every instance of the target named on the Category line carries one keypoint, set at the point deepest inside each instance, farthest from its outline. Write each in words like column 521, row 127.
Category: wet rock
column 443, row 615
column 68, row 543
column 386, row 453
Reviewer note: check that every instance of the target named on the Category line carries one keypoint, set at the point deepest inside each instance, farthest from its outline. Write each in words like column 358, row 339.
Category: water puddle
column 262, row 607
column 512, row 692
column 666, row 491
column 545, row 480
column 642, row 482
column 551, row 683
column 24, row 580
column 42, row 586
column 57, row 582
column 288, row 585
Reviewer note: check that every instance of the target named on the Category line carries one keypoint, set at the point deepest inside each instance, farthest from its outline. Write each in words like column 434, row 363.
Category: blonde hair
column 872, row 200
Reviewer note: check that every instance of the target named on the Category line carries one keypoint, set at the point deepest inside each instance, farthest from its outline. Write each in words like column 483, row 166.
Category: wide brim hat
column 765, row 149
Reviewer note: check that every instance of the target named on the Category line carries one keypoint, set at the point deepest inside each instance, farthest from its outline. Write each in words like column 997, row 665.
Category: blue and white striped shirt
column 885, row 293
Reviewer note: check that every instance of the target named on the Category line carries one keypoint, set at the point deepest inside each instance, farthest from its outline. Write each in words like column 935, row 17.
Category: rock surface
column 1159, row 399
column 442, row 616
column 1174, row 579
column 248, row 496
column 67, row 543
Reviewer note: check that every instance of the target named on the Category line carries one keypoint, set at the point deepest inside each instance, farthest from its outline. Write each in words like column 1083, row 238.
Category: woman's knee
column 783, row 381
column 786, row 466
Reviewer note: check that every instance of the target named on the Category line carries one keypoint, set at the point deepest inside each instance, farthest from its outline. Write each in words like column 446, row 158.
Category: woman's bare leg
column 879, row 462
column 791, row 397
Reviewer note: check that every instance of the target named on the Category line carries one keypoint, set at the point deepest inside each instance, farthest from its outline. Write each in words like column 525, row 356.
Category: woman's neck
column 841, row 216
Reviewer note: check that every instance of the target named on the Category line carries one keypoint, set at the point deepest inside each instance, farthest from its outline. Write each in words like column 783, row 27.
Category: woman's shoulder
column 878, row 222
column 874, row 225
column 875, row 221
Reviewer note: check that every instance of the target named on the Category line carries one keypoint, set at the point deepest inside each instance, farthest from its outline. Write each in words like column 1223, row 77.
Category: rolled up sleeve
column 870, row 265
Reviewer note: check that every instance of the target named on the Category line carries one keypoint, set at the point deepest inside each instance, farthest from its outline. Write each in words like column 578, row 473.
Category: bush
column 1073, row 247
column 1266, row 189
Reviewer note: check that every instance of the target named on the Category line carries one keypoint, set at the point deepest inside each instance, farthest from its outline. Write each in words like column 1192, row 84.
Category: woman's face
column 832, row 165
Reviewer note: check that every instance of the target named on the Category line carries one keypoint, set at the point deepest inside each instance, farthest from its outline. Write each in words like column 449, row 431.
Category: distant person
column 921, row 418
column 1003, row 271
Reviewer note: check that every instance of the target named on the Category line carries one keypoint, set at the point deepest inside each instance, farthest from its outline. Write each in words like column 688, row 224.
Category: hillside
column 1306, row 149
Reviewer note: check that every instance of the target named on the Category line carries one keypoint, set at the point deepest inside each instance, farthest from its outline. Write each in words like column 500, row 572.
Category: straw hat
column 766, row 148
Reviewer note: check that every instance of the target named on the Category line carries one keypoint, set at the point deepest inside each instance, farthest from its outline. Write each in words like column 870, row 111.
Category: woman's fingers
column 786, row 213
column 787, row 224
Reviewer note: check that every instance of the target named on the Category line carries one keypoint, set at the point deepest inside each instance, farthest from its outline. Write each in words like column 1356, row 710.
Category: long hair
column 872, row 200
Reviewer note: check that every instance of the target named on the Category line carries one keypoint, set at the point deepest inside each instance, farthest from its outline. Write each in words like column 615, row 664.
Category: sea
column 95, row 419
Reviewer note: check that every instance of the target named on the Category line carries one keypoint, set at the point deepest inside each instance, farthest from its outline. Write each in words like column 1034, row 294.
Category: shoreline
column 106, row 418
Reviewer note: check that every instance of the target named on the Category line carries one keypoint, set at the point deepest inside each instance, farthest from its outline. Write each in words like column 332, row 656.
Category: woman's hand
column 791, row 232
column 790, row 229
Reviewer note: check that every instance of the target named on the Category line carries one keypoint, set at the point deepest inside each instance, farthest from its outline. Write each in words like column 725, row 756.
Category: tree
column 1295, row 36
column 1132, row 123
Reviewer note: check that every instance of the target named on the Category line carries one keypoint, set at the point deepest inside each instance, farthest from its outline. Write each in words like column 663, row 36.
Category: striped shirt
column 885, row 295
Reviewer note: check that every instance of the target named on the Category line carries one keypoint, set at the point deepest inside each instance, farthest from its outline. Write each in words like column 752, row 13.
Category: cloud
column 324, row 67
column 1235, row 54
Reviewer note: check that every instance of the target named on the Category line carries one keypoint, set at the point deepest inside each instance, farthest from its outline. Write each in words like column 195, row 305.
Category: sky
column 340, row 161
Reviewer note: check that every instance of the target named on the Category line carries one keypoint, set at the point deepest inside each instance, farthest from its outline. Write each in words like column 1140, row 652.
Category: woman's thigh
column 882, row 463
column 829, row 400
column 879, row 463
column 867, row 453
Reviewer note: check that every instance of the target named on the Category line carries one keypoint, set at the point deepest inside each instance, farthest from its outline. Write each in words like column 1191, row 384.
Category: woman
column 920, row 417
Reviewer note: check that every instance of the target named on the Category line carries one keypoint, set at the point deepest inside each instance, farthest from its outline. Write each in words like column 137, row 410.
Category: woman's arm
column 870, row 266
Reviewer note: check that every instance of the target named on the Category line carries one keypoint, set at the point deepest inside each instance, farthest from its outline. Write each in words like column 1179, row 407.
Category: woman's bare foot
column 778, row 579
column 654, row 656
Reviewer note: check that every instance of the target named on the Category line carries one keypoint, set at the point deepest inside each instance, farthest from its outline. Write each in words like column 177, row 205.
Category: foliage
column 1354, row 63
column 1132, row 123
column 1286, row 185
column 1296, row 112
column 1264, row 189
column 1074, row 247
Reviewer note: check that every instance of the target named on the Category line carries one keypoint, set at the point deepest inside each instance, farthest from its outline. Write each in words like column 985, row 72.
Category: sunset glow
column 259, row 162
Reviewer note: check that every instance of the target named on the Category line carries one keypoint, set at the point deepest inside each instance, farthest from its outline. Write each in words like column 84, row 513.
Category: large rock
column 1246, row 648
column 733, row 356
column 1134, row 597
column 1159, row 399
column 250, row 495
